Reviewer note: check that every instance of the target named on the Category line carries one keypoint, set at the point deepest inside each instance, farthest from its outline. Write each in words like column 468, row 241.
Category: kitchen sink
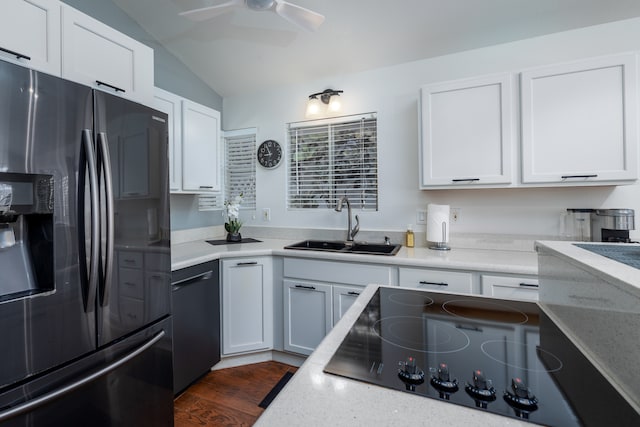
column 343, row 247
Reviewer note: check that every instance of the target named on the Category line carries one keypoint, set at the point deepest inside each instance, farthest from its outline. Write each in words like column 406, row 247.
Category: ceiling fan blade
column 206, row 13
column 305, row 18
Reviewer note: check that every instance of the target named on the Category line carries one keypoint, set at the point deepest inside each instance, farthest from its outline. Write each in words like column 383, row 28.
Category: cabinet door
column 200, row 145
column 170, row 104
column 466, row 132
column 307, row 315
column 579, row 122
column 518, row 288
column 436, row 280
column 343, row 298
column 247, row 305
column 99, row 56
column 31, row 30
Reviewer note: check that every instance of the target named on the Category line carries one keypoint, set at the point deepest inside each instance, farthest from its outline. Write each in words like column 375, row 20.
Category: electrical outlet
column 455, row 214
column 421, row 217
column 266, row 214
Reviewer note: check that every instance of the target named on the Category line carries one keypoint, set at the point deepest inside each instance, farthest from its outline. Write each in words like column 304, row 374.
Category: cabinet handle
column 198, row 277
column 469, row 328
column 18, row 55
column 116, row 88
column 242, row 264
column 529, row 285
column 424, row 282
column 465, row 179
column 353, row 293
column 595, row 175
column 206, row 186
column 311, row 288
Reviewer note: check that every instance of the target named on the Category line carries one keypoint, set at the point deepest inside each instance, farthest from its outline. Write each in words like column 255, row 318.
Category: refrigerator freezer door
column 125, row 384
column 41, row 123
column 132, row 146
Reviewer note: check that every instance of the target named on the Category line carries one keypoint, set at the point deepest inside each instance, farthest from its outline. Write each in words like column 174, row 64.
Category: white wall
column 393, row 93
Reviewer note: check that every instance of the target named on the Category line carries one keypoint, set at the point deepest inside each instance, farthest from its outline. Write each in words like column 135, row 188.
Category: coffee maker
column 600, row 225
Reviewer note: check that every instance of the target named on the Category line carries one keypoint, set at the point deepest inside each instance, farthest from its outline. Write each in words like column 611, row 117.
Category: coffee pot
column 599, row 225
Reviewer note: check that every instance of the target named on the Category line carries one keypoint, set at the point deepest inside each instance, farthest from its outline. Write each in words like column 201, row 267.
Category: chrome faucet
column 351, row 233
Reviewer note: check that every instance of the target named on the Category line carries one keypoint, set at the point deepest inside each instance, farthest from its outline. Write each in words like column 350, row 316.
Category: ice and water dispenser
column 26, row 234
column 599, row 225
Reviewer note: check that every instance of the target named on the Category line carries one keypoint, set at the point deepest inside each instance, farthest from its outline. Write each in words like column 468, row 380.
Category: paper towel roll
column 436, row 216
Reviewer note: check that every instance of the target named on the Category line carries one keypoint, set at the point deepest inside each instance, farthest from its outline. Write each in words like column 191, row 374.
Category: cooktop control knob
column 481, row 390
column 410, row 374
column 441, row 381
column 520, row 398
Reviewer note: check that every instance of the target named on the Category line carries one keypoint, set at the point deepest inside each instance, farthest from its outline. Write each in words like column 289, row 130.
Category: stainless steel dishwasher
column 196, row 322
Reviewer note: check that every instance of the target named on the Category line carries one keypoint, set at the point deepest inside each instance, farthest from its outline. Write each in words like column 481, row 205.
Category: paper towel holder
column 441, row 246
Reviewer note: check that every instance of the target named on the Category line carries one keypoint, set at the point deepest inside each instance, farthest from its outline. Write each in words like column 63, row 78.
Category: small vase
column 234, row 237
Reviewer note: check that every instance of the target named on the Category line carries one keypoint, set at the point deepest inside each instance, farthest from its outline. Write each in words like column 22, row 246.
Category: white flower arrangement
column 233, row 223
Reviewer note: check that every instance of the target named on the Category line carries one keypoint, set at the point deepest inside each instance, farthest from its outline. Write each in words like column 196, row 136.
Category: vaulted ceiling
column 246, row 51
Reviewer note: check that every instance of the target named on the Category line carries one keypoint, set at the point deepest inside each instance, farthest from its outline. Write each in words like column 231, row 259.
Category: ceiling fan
column 305, row 18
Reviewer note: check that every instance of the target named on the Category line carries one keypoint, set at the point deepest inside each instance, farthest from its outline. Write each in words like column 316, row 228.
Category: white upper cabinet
column 171, row 104
column 30, row 34
column 579, row 122
column 99, row 56
column 200, row 148
column 467, row 133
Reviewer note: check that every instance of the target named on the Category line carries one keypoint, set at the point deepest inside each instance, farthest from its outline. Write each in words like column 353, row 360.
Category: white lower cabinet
column 343, row 298
column 308, row 318
column 317, row 293
column 247, row 305
column 436, row 280
column 510, row 287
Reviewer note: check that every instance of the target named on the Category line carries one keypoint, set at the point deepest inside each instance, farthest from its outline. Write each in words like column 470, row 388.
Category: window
column 332, row 158
column 240, row 166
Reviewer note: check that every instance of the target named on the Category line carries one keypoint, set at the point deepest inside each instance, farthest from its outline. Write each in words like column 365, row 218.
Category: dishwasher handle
column 192, row 279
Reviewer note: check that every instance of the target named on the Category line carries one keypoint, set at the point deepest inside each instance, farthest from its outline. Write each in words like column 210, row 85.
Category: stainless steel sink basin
column 342, row 247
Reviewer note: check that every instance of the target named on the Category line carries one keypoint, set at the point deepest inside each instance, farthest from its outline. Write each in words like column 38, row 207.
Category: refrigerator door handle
column 103, row 144
column 94, row 256
column 48, row 397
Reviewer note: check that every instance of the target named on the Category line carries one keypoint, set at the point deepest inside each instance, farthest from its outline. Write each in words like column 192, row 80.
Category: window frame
column 364, row 195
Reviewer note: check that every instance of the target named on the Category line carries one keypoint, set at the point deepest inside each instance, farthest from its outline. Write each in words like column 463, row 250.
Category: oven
column 500, row 356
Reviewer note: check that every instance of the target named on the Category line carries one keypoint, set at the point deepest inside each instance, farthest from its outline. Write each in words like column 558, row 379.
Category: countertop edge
column 491, row 261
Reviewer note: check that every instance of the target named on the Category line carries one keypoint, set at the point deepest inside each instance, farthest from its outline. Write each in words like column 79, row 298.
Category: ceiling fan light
column 313, row 107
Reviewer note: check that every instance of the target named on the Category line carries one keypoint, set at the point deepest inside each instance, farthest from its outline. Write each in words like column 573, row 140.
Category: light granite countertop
column 501, row 261
column 313, row 398
column 598, row 265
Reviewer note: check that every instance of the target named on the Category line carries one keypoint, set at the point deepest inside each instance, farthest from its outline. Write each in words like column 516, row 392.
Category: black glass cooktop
column 504, row 357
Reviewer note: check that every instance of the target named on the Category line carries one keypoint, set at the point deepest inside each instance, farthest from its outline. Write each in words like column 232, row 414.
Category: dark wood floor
column 228, row 397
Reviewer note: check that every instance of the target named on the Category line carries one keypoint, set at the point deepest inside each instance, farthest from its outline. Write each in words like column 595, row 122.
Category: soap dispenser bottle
column 410, row 236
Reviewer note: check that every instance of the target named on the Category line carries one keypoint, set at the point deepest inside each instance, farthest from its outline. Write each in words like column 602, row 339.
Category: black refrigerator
column 85, row 309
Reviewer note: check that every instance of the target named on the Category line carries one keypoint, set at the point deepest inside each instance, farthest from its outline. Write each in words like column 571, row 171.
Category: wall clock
column 269, row 154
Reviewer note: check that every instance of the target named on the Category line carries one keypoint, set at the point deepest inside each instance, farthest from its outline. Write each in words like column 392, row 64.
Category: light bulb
column 335, row 104
column 313, row 107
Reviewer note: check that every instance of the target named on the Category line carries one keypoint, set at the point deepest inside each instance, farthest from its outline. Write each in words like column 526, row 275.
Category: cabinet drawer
column 521, row 288
column 131, row 282
column 129, row 259
column 337, row 272
column 436, row 280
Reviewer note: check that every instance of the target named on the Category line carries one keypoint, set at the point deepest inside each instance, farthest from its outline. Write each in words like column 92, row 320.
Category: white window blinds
column 332, row 158
column 240, row 166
